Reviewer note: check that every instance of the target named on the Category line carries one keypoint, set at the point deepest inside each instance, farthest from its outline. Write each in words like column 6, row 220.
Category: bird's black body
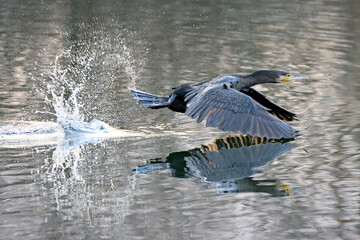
column 229, row 103
column 179, row 104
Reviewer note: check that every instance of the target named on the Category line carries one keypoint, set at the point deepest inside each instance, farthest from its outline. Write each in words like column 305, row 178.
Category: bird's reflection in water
column 227, row 164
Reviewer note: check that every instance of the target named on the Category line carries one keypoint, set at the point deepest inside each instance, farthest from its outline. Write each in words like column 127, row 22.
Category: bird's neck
column 250, row 80
column 245, row 82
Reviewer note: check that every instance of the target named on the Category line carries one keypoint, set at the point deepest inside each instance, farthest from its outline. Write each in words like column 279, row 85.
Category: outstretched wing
column 231, row 110
column 274, row 109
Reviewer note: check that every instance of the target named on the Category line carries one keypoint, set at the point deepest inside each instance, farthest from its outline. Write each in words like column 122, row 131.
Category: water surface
column 80, row 159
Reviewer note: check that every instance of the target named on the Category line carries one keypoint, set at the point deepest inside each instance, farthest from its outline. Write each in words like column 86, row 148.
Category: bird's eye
column 288, row 75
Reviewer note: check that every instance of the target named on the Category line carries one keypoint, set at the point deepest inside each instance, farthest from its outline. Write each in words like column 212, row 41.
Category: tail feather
column 150, row 100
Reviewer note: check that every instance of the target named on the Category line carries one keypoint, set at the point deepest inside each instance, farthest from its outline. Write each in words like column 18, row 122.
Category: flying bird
column 229, row 103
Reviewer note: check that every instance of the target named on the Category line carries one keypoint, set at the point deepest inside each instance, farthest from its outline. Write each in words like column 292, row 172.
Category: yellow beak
column 291, row 77
column 287, row 78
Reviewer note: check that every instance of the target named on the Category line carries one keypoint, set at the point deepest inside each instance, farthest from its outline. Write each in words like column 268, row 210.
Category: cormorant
column 230, row 104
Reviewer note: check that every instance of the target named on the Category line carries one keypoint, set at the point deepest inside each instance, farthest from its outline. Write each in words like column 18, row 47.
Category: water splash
column 79, row 90
column 87, row 78
column 62, row 92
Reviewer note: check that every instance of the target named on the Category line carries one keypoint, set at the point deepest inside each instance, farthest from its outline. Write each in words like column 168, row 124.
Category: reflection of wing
column 231, row 110
column 226, row 159
column 237, row 142
column 274, row 109
column 227, row 163
column 234, row 163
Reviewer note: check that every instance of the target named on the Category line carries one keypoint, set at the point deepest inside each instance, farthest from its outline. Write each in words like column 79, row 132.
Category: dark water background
column 49, row 190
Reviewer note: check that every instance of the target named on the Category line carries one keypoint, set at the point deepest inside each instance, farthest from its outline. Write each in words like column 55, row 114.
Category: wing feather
column 231, row 110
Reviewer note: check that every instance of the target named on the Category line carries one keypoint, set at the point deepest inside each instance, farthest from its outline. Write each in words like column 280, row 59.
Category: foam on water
column 32, row 134
column 29, row 134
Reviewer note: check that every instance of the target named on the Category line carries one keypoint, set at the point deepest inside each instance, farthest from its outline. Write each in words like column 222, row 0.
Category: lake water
column 80, row 159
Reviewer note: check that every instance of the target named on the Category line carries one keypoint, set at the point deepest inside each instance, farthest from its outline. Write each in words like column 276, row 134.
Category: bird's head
column 273, row 76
